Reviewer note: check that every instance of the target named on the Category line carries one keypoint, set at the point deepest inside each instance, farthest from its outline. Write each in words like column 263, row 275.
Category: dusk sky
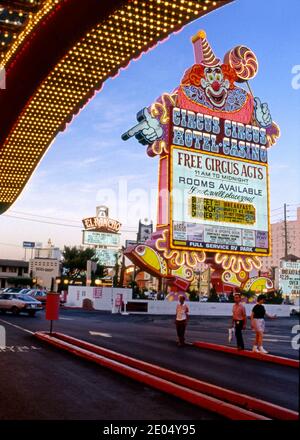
column 89, row 164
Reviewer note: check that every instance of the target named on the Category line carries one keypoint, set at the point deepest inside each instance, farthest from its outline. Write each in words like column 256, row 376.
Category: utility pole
column 285, row 233
column 273, row 269
column 122, row 273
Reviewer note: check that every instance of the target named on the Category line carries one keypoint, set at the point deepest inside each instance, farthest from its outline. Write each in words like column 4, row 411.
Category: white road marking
column 273, row 340
column 66, row 319
column 278, row 336
column 105, row 335
column 18, row 349
column 17, row 326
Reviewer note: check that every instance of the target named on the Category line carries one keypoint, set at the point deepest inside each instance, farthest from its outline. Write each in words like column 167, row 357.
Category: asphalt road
column 40, row 382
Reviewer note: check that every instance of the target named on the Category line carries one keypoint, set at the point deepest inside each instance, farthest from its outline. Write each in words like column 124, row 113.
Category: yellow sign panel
column 221, row 210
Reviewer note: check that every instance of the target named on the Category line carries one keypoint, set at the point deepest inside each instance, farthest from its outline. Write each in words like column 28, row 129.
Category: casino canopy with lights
column 56, row 54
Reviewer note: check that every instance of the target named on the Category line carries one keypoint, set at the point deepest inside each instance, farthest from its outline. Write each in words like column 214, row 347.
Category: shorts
column 259, row 325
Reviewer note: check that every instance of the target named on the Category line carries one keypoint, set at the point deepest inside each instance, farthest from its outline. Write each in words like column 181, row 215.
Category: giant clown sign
column 212, row 137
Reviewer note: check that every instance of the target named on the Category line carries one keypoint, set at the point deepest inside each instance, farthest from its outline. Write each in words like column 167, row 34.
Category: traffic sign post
column 28, row 244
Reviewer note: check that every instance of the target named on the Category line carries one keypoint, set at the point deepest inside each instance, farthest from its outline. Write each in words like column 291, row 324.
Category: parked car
column 150, row 295
column 295, row 309
column 17, row 303
column 24, row 291
column 40, row 295
column 12, row 290
column 203, row 298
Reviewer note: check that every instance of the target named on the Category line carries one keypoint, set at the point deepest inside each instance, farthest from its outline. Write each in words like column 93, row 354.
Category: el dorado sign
column 212, row 137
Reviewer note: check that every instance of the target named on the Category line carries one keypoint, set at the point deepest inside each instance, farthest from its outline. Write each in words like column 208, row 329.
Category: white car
column 19, row 303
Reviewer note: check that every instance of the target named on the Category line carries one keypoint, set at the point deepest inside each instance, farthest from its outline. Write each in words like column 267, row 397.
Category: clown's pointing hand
column 147, row 130
column 262, row 113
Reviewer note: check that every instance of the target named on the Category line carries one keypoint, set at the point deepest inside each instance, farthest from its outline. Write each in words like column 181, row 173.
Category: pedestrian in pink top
column 239, row 320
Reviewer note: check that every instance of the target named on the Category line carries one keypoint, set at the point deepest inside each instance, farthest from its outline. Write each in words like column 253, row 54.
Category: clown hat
column 203, row 52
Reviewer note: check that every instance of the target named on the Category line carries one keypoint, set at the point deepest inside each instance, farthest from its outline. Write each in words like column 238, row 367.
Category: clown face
column 215, row 86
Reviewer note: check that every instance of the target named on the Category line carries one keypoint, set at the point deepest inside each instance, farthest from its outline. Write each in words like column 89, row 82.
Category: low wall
column 106, row 299
column 201, row 308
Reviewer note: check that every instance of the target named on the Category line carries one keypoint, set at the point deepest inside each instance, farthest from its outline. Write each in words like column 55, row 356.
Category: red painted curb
column 209, row 403
column 250, row 354
column 233, row 397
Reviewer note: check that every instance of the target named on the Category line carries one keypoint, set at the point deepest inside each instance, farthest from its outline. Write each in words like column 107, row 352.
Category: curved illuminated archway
column 57, row 54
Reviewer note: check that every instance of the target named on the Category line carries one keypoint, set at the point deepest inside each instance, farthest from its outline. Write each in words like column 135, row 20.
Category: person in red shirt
column 239, row 320
column 182, row 316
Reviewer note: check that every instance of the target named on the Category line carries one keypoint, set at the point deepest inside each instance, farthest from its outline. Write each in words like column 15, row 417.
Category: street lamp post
column 58, row 282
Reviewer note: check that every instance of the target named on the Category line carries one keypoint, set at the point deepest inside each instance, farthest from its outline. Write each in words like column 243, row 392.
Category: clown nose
column 216, row 86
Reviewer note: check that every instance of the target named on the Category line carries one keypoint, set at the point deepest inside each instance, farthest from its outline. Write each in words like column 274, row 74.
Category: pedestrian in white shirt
column 182, row 316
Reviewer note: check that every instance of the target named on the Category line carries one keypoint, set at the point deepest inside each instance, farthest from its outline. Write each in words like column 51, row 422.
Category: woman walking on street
column 258, row 323
column 182, row 316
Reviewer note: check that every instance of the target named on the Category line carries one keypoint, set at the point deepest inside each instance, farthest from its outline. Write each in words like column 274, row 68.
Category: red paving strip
column 233, row 397
column 178, row 389
column 208, row 403
column 250, row 354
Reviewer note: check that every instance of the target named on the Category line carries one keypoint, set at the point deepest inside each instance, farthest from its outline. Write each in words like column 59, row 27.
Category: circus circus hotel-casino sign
column 212, row 138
